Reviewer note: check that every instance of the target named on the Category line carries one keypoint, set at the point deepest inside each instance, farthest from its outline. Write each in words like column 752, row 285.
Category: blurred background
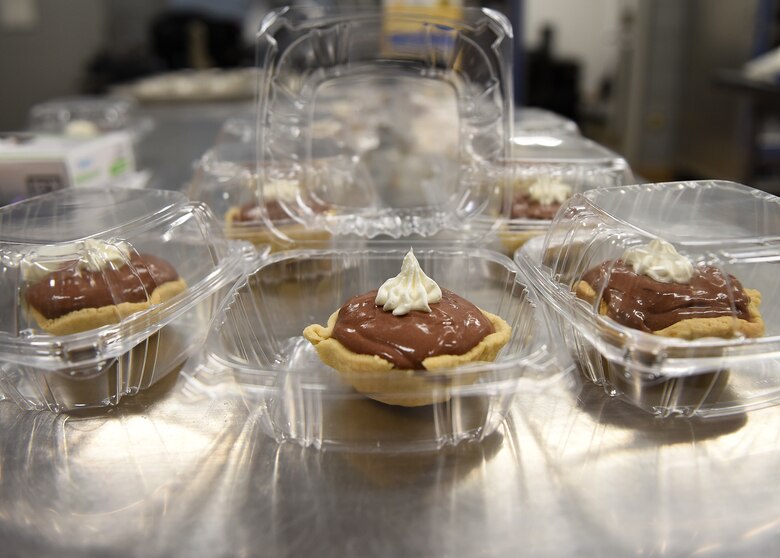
column 666, row 83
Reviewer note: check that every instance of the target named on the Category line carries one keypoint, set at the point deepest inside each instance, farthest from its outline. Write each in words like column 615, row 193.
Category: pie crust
column 378, row 378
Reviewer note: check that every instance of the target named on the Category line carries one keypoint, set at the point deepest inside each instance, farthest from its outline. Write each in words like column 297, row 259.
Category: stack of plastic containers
column 664, row 293
column 105, row 292
column 258, row 335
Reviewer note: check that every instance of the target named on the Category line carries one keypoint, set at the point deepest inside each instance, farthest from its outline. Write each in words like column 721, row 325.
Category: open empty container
column 544, row 171
column 665, row 293
column 258, row 337
column 104, row 292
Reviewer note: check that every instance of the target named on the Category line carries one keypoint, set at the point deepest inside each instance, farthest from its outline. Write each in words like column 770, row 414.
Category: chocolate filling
column 250, row 212
column 525, row 207
column 71, row 289
column 640, row 302
column 454, row 326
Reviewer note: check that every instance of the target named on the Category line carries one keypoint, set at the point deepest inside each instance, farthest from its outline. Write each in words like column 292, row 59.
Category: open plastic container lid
column 413, row 187
column 87, row 274
column 728, row 233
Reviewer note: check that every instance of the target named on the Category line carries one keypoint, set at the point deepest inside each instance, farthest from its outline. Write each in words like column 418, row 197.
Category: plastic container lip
column 145, row 208
column 541, row 149
column 540, row 121
column 167, row 201
column 644, row 352
column 373, row 219
column 307, row 16
column 540, row 355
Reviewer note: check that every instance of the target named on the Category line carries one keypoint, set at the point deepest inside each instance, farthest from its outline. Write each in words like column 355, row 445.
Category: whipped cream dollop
column 409, row 290
column 281, row 189
column 547, row 191
column 90, row 254
column 274, row 190
column 83, row 129
column 660, row 261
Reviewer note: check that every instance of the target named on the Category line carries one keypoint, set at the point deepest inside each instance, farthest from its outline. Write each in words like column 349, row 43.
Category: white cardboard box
column 32, row 164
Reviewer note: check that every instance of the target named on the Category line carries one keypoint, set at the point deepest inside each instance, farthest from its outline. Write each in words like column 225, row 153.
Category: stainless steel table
column 171, row 472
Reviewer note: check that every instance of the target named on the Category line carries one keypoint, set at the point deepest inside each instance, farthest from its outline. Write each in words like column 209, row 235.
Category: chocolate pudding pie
column 654, row 289
column 247, row 222
column 524, row 206
column 540, row 202
column 380, row 340
column 105, row 285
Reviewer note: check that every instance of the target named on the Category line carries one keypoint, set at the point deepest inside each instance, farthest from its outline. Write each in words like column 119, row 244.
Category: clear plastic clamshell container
column 226, row 179
column 418, row 177
column 258, row 337
column 541, row 122
column 544, row 171
column 105, row 292
column 88, row 116
column 664, row 293
column 410, row 184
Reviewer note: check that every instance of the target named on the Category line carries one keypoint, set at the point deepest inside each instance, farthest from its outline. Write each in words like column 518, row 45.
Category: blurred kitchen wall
column 128, row 22
column 673, row 119
column 48, row 46
column 588, row 32
column 648, row 78
column 44, row 46
column 720, row 35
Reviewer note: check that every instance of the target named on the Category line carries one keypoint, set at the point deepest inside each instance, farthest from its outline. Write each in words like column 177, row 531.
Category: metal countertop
column 172, row 473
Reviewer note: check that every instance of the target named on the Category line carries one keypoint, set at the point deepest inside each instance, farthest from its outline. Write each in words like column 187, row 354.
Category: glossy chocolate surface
column 250, row 212
column 72, row 288
column 641, row 302
column 453, row 327
column 524, row 207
